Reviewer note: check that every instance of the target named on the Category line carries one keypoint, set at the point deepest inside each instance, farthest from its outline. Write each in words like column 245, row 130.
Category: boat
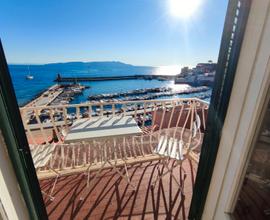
column 29, row 76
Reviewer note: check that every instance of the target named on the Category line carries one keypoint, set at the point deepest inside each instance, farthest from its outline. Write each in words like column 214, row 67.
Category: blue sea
column 44, row 76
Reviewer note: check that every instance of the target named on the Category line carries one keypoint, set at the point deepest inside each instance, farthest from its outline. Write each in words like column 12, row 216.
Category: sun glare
column 167, row 70
column 183, row 8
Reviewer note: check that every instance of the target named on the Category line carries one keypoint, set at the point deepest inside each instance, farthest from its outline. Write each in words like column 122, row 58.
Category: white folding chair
column 169, row 148
column 41, row 155
column 173, row 148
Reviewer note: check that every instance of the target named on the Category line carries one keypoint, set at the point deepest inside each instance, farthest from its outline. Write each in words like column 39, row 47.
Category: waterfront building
column 185, row 70
column 206, row 67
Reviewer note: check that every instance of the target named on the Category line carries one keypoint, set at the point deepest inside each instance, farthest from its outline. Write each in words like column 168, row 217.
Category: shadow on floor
column 110, row 197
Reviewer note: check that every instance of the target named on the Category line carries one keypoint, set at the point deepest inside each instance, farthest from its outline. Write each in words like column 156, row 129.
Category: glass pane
column 254, row 198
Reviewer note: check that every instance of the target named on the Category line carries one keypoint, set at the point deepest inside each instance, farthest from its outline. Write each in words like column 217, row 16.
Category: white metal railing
column 145, row 112
column 184, row 119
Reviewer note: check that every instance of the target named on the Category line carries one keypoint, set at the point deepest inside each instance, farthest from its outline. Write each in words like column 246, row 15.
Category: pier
column 46, row 97
column 59, row 78
column 56, row 94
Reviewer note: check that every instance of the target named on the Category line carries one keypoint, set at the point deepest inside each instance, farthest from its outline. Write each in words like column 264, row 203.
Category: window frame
column 226, row 68
column 249, row 94
column 19, row 152
column 17, row 145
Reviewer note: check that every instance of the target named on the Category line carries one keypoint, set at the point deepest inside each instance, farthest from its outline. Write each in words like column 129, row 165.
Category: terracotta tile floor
column 110, row 197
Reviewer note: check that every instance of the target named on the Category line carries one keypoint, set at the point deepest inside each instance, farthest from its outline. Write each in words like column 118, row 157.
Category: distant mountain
column 117, row 64
column 92, row 64
column 102, row 68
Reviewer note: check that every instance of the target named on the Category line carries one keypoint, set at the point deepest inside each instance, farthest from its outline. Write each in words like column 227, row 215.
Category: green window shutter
column 18, row 149
column 232, row 37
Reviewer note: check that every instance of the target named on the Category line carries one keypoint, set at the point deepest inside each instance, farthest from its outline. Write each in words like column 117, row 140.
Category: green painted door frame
column 18, row 149
column 232, row 37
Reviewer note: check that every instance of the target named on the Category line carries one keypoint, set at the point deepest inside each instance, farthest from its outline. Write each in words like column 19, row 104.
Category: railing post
column 144, row 114
column 90, row 111
column 54, row 125
column 135, row 112
column 172, row 113
column 154, row 113
column 162, row 118
column 113, row 109
column 65, row 116
column 26, row 127
column 78, row 112
column 181, row 106
column 192, row 106
column 101, row 110
column 41, row 127
column 124, row 109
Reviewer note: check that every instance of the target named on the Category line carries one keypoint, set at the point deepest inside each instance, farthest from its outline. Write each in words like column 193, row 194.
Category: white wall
column 10, row 194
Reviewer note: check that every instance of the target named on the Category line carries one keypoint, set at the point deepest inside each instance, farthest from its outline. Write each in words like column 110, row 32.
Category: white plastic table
column 102, row 127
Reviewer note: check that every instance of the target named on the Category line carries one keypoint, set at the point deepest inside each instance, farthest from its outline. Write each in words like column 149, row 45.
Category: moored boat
column 29, row 76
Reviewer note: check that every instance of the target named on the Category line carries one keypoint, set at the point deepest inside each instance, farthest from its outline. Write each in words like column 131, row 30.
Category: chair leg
column 153, row 185
column 87, row 172
column 46, row 194
column 88, row 178
column 158, row 177
column 96, row 175
column 169, row 170
column 126, row 176
column 54, row 183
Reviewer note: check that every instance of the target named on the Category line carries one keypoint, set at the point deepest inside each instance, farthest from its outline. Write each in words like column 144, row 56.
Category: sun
column 184, row 8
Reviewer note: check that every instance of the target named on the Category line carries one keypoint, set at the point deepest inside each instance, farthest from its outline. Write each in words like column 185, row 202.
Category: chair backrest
column 196, row 125
column 41, row 154
column 170, row 147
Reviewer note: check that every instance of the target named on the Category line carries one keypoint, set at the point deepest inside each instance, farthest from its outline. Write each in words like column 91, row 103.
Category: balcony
column 104, row 162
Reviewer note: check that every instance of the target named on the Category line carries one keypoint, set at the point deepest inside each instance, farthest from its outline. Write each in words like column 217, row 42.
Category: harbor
column 62, row 95
column 111, row 78
column 72, row 98
column 145, row 94
column 116, row 90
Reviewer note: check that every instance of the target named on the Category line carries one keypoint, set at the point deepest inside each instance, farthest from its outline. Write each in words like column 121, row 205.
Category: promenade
column 46, row 97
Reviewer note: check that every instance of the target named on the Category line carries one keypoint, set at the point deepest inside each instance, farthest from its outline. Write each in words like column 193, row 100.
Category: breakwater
column 59, row 78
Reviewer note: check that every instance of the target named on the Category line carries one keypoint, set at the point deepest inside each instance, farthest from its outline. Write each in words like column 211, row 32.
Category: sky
column 138, row 32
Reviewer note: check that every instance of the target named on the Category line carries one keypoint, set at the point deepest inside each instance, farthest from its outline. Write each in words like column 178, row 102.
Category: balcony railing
column 183, row 119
